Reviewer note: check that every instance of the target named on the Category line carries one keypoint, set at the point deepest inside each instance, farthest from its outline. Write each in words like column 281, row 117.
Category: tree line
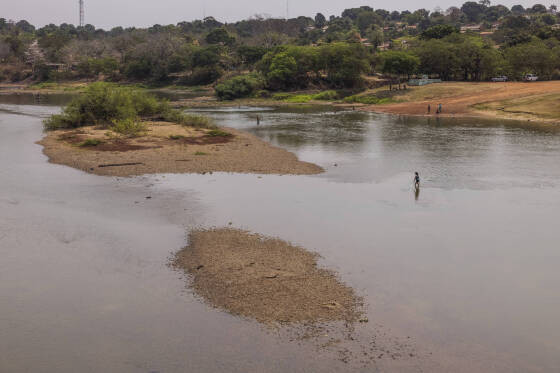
column 473, row 42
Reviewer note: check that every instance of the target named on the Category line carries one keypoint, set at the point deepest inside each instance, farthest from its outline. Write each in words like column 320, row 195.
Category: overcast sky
column 141, row 13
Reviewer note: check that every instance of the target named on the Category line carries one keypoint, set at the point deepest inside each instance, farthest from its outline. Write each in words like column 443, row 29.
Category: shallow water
column 466, row 270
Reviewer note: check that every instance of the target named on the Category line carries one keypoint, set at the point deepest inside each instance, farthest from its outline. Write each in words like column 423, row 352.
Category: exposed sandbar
column 169, row 148
column 266, row 279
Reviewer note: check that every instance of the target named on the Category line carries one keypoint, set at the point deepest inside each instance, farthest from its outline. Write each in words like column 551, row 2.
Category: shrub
column 129, row 127
column 281, row 96
column 299, row 98
column 303, row 98
column 218, row 133
column 91, row 142
column 202, row 76
column 192, row 120
column 263, row 94
column 239, row 87
column 103, row 103
column 326, row 96
column 368, row 100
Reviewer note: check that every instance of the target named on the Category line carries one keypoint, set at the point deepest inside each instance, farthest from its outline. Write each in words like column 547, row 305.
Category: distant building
column 472, row 28
column 384, row 46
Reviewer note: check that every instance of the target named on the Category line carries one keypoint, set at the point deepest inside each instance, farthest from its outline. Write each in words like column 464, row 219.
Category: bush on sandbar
column 239, row 86
column 105, row 104
column 129, row 127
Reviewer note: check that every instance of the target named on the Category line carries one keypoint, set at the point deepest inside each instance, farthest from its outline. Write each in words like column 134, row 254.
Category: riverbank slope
column 534, row 101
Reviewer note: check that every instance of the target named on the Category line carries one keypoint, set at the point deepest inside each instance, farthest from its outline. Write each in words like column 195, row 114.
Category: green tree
column 344, row 64
column 534, row 57
column 399, row 63
column 473, row 11
column 438, row 32
column 220, row 36
column 518, row 9
column 283, row 69
column 320, row 20
column 365, row 20
column 239, row 86
column 438, row 57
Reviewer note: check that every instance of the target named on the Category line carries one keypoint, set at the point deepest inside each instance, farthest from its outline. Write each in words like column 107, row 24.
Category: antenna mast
column 81, row 13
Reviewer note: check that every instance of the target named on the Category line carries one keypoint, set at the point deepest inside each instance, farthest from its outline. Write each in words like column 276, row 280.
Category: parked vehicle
column 531, row 78
column 501, row 78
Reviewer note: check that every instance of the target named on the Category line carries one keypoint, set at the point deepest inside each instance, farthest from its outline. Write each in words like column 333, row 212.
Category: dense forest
column 473, row 42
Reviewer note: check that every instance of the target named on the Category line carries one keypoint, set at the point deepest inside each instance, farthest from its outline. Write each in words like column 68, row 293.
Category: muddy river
column 465, row 273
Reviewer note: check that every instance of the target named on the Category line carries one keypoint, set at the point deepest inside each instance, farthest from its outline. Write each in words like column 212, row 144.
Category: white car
column 502, row 78
column 531, row 78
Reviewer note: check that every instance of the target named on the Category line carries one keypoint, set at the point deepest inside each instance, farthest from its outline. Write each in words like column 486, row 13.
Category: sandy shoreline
column 170, row 148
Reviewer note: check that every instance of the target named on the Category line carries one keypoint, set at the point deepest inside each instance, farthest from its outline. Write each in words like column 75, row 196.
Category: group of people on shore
column 438, row 110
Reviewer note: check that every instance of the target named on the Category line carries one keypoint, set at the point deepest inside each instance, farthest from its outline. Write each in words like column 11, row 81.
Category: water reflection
column 370, row 147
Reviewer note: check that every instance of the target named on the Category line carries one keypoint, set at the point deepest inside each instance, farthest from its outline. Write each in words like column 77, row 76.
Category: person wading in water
column 416, row 180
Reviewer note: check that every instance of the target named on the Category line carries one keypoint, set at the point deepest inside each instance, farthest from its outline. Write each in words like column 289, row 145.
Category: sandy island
column 265, row 279
column 169, row 148
column 528, row 101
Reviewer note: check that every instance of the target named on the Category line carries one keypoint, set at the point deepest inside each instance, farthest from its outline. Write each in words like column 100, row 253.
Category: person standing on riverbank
column 416, row 180
column 439, row 108
column 429, row 108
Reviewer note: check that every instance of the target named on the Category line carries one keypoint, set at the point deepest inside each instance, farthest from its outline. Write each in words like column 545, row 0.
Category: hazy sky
column 109, row 13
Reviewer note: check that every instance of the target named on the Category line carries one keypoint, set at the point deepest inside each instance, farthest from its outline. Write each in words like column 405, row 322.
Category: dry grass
column 512, row 100
column 545, row 106
column 443, row 90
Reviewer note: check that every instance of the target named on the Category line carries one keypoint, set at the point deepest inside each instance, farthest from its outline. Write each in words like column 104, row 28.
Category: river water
column 466, row 271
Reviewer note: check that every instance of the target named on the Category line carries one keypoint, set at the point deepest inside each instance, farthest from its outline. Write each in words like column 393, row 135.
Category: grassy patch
column 200, row 153
column 443, row 90
column 192, row 120
column 218, row 133
column 281, row 96
column 304, row 98
column 176, row 137
column 91, row 142
column 128, row 127
column 326, row 96
column 367, row 100
column 543, row 106
column 299, row 99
